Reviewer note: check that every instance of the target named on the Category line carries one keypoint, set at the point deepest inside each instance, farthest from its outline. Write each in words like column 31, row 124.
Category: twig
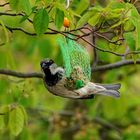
column 2, row 113
column 105, row 123
column 2, row 5
column 15, row 14
column 117, row 54
column 10, row 14
column 11, row 29
column 2, row 44
column 110, row 41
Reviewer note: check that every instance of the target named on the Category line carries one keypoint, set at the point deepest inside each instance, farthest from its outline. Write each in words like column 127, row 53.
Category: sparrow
column 55, row 81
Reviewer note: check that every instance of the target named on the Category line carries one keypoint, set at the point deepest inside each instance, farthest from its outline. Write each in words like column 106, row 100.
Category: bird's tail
column 110, row 90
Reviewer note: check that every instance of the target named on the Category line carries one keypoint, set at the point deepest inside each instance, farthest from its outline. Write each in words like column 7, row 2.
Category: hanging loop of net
column 76, row 62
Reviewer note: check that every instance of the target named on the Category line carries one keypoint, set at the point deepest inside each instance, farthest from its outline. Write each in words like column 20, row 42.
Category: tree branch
column 20, row 74
column 115, row 65
column 96, row 69
column 2, row 5
column 110, row 41
column 105, row 123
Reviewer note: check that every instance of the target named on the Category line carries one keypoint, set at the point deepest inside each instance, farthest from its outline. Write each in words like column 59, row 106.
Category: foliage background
column 29, row 111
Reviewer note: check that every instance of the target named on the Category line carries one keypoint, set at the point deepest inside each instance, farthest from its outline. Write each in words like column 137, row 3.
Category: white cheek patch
column 55, row 69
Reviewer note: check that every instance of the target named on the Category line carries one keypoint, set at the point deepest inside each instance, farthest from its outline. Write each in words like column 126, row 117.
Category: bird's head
column 45, row 64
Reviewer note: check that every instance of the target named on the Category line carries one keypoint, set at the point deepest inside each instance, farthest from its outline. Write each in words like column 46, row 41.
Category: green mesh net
column 76, row 62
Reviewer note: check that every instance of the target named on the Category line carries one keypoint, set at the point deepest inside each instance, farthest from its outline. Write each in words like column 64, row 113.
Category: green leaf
column 62, row 8
column 134, row 57
column 16, row 121
column 25, row 17
column 80, row 6
column 14, row 4
column 48, row 1
column 135, row 19
column 136, row 23
column 1, row 122
column 87, row 16
column 134, row 12
column 5, row 109
column 24, row 113
column 59, row 18
column 41, row 21
column 74, row 13
column 121, row 21
column 21, row 5
column 3, row 60
column 130, row 40
column 37, row 1
column 95, row 19
column 25, row 4
column 113, row 14
column 128, row 25
column 116, row 5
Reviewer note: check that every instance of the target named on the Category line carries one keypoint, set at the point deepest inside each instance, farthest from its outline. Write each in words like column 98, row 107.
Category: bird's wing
column 95, row 89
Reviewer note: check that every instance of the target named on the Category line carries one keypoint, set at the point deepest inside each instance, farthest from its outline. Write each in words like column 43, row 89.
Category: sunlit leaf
column 128, row 26
column 94, row 19
column 130, row 40
column 116, row 5
column 2, row 125
column 136, row 23
column 59, row 18
column 66, row 11
column 135, row 19
column 114, row 14
column 25, row 17
column 25, row 5
column 37, row 1
column 14, row 4
column 24, row 113
column 84, row 19
column 16, row 121
column 41, row 21
column 80, row 6
column 22, row 5
column 5, row 109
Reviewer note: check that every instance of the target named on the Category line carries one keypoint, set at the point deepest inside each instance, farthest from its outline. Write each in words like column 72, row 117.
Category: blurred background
column 54, row 118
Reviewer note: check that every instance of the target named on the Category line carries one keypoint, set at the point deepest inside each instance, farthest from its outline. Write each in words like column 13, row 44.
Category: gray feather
column 111, row 86
column 112, row 93
column 111, row 90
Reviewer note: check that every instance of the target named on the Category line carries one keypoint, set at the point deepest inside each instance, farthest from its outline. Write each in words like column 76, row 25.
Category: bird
column 55, row 81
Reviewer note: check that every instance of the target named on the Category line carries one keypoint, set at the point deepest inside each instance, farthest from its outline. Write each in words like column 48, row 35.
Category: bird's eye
column 51, row 61
column 43, row 64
